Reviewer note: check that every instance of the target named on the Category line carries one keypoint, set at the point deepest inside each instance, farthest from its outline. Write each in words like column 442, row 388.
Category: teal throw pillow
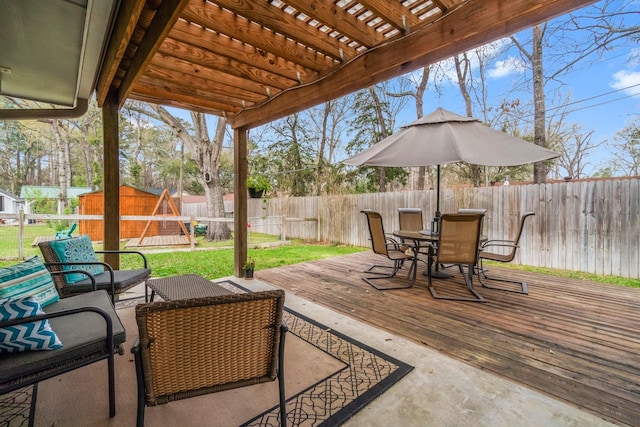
column 77, row 249
column 29, row 278
column 26, row 336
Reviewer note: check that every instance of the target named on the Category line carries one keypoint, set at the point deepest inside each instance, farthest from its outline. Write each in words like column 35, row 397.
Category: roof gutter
column 82, row 105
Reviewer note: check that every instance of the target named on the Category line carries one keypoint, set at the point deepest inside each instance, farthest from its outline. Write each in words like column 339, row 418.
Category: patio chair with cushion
column 239, row 338
column 77, row 253
column 457, row 245
column 502, row 251
column 390, row 248
column 40, row 336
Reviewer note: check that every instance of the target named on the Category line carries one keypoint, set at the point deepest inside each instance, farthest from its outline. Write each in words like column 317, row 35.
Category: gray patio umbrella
column 445, row 137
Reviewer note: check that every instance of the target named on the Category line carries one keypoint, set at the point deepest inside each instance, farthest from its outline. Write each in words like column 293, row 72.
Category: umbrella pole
column 435, row 228
column 438, row 193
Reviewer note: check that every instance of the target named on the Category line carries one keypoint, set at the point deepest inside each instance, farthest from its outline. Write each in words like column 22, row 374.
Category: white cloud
column 628, row 81
column 505, row 67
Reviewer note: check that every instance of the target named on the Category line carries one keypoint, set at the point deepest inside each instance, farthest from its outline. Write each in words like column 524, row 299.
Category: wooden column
column 240, row 200
column 111, row 180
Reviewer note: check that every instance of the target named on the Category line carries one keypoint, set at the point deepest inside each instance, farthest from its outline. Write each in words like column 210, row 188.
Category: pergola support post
column 240, row 200
column 111, row 198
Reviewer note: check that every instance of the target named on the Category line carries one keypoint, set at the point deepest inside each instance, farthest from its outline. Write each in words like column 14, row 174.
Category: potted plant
column 257, row 185
column 249, row 266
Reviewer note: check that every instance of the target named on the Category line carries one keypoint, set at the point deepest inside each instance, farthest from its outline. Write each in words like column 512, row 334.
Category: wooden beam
column 164, row 95
column 464, row 28
column 228, row 65
column 261, row 15
column 240, row 200
column 189, row 81
column 128, row 16
column 210, row 43
column 212, row 93
column 111, row 172
column 164, row 19
column 189, row 68
column 178, row 104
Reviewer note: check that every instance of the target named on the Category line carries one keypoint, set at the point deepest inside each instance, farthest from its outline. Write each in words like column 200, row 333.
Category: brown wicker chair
column 113, row 281
column 238, row 337
column 510, row 247
column 391, row 249
column 457, row 245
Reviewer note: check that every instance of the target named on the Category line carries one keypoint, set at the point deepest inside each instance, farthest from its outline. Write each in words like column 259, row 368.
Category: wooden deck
column 575, row 340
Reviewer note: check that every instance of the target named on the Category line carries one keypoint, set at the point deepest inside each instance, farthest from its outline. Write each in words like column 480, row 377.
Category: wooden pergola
column 255, row 61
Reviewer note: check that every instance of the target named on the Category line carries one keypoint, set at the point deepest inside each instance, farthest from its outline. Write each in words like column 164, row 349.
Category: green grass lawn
column 219, row 263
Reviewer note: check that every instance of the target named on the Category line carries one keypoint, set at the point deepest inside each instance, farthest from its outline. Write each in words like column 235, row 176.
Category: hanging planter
column 255, row 194
column 257, row 186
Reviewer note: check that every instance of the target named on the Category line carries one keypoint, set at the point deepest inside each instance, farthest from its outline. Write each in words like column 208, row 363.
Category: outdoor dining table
column 417, row 236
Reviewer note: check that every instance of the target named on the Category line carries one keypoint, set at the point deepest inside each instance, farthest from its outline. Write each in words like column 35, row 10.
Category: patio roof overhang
column 251, row 61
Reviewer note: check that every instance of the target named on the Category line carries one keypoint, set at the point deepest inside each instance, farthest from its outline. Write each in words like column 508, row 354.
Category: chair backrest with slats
column 459, row 238
column 205, row 345
column 376, row 230
column 410, row 219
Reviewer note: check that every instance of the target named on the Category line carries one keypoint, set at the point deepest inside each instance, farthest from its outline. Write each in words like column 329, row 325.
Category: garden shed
column 133, row 202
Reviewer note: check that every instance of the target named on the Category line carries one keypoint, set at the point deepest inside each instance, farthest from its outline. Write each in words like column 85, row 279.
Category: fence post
column 283, row 225
column 192, row 232
column 21, row 234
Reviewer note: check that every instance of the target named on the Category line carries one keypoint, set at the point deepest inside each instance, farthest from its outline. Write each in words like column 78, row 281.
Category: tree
column 290, row 155
column 608, row 24
column 627, row 156
column 330, row 122
column 374, row 116
column 419, row 82
column 534, row 58
column 206, row 152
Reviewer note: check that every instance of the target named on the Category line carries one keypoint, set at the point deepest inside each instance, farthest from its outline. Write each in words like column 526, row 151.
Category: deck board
column 576, row 340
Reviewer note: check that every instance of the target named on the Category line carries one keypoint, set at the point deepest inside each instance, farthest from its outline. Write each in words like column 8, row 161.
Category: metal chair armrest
column 94, row 287
column 498, row 242
column 144, row 258
column 104, row 264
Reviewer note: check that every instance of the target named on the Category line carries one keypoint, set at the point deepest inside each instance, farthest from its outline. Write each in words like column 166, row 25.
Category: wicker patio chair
column 192, row 347
column 113, row 281
column 457, row 245
column 390, row 248
column 490, row 250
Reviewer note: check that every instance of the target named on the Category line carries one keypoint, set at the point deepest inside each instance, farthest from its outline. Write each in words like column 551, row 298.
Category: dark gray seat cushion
column 81, row 334
column 123, row 279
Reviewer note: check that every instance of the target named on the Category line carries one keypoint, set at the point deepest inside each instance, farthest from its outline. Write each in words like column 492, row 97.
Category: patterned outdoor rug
column 16, row 409
column 357, row 375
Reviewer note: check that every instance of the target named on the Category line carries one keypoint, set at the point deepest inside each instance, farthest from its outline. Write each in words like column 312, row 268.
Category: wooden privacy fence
column 589, row 226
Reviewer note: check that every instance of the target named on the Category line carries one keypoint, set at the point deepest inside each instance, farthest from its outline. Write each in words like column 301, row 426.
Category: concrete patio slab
column 440, row 391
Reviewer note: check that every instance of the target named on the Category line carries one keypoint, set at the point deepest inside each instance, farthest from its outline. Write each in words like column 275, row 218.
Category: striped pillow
column 29, row 278
column 26, row 336
column 77, row 249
